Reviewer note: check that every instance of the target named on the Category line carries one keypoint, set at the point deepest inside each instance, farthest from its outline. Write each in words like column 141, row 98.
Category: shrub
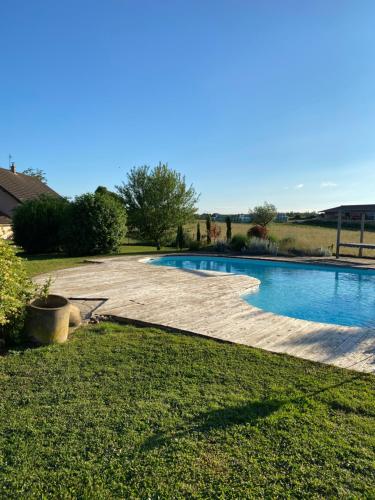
column 16, row 289
column 194, row 245
column 273, row 239
column 258, row 246
column 310, row 252
column 95, row 224
column 257, row 231
column 222, row 246
column 238, row 242
column 37, row 223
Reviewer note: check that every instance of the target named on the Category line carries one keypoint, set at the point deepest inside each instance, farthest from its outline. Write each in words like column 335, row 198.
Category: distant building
column 350, row 212
column 281, row 217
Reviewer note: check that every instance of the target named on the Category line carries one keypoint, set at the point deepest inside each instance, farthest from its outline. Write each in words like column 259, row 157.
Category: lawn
column 45, row 263
column 121, row 412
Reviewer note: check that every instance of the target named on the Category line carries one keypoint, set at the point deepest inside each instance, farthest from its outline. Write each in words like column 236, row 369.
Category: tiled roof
column 23, row 187
column 352, row 208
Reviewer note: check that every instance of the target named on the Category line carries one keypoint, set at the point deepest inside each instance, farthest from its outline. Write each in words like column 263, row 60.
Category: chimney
column 13, row 167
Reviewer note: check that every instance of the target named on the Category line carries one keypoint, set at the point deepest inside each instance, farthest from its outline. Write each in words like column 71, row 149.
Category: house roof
column 4, row 219
column 23, row 187
column 352, row 208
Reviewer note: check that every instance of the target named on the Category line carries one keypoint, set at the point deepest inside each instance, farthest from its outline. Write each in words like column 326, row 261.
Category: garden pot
column 47, row 320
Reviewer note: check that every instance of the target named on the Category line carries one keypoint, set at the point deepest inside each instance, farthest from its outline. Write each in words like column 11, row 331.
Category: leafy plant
column 157, row 200
column 37, row 223
column 16, row 289
column 43, row 290
column 263, row 214
column 238, row 242
column 95, row 224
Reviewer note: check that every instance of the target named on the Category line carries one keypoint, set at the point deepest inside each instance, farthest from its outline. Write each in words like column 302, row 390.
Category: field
column 306, row 236
column 125, row 412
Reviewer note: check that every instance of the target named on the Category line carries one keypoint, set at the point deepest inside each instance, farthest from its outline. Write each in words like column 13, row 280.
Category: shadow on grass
column 249, row 413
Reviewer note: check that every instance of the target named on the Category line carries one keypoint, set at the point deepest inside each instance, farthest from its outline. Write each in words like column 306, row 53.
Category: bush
column 310, row 252
column 257, row 231
column 221, row 247
column 16, row 289
column 37, row 224
column 238, row 242
column 194, row 245
column 258, row 246
column 95, row 224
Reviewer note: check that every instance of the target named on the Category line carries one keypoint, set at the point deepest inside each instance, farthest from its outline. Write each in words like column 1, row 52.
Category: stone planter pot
column 47, row 321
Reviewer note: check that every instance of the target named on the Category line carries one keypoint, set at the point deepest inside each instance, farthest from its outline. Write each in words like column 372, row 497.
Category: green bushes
column 94, row 224
column 91, row 224
column 238, row 242
column 15, row 291
column 37, row 224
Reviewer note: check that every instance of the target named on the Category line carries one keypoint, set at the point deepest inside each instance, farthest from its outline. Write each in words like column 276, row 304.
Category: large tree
column 263, row 214
column 157, row 200
column 36, row 172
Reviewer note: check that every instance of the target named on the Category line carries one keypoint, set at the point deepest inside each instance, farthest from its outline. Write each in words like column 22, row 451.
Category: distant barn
column 350, row 212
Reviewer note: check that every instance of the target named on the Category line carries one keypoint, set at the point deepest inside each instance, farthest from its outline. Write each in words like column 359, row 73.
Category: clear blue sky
column 252, row 100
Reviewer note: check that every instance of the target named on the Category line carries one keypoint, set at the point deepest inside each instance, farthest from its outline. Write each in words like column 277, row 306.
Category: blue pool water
column 343, row 296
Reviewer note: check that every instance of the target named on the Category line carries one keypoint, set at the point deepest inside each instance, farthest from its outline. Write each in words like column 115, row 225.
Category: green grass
column 45, row 263
column 121, row 412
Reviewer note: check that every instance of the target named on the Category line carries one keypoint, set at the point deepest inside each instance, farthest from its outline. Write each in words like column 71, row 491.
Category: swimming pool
column 327, row 294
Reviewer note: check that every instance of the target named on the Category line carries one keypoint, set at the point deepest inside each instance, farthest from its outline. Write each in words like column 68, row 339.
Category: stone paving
column 209, row 303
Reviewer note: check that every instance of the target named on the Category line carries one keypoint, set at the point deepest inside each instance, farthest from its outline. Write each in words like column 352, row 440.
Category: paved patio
column 209, row 304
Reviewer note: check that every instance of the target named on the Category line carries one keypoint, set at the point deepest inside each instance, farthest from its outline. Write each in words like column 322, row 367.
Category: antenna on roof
column 10, row 158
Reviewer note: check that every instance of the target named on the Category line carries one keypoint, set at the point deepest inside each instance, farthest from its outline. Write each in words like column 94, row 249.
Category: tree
column 36, row 172
column 198, row 232
column 157, row 200
column 208, row 229
column 228, row 222
column 180, row 238
column 264, row 214
column 105, row 191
